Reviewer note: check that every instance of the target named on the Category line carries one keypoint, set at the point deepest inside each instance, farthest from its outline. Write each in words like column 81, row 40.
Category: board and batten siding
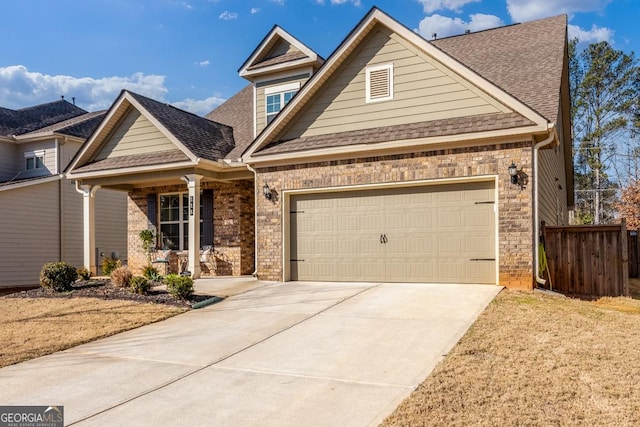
column 30, row 232
column 552, row 181
column 261, row 98
column 135, row 134
column 8, row 166
column 424, row 90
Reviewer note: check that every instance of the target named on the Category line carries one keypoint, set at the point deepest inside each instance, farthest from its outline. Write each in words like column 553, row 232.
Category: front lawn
column 33, row 327
column 534, row 359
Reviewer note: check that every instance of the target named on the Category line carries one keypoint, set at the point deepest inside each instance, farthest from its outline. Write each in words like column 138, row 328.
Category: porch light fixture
column 267, row 191
column 513, row 173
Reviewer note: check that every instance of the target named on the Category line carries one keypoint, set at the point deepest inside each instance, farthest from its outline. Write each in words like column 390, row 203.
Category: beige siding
column 423, row 90
column 72, row 223
column 135, row 134
column 111, row 223
column 8, row 168
column 552, row 202
column 50, row 158
column 281, row 48
column 30, row 233
column 261, row 112
column 67, row 151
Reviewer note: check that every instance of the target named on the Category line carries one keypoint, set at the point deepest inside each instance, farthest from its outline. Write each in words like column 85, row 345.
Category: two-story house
column 42, row 218
column 396, row 159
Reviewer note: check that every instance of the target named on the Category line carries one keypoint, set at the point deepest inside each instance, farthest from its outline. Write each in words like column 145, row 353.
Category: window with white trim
column 174, row 221
column 34, row 160
column 379, row 82
column 277, row 97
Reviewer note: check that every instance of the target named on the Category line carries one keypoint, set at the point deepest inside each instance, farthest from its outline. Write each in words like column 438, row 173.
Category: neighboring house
column 43, row 219
column 395, row 160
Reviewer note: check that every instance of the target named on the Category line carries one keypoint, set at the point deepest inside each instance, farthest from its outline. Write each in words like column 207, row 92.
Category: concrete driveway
column 278, row 354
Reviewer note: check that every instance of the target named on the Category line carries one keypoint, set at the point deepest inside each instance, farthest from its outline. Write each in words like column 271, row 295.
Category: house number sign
column 190, row 205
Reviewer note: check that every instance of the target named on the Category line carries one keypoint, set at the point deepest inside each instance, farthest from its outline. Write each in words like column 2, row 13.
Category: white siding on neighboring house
column 29, row 232
column 135, row 134
column 67, row 151
column 45, row 148
column 8, row 167
column 423, row 90
column 110, row 222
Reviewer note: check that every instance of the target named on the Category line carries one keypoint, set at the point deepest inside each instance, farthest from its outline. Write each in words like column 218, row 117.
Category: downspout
column 255, row 219
column 551, row 127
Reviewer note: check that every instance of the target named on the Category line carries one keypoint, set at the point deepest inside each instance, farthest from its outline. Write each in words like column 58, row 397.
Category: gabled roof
column 237, row 112
column 80, row 126
column 17, row 122
column 524, row 60
column 194, row 137
column 267, row 59
column 526, row 107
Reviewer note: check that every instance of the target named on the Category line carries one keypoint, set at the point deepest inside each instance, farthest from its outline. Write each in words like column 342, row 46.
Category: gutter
column 536, row 222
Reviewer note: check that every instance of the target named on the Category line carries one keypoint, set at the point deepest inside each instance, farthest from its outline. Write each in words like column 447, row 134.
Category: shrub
column 151, row 273
column 180, row 287
column 139, row 285
column 121, row 277
column 109, row 265
column 58, row 276
column 84, row 273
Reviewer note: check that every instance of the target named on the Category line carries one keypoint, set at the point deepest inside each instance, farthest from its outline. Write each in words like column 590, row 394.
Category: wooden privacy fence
column 634, row 254
column 588, row 259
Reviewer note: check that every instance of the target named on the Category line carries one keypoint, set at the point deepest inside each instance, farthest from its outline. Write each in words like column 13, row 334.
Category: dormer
column 277, row 68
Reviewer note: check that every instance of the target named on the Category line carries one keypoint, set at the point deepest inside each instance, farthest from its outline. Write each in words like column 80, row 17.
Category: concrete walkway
column 278, row 354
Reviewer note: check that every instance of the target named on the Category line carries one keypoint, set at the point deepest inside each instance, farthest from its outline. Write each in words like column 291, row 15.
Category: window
column 34, row 160
column 174, row 221
column 379, row 83
column 277, row 97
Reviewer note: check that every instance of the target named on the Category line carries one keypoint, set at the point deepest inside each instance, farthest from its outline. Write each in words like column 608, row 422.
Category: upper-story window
column 34, row 160
column 277, row 97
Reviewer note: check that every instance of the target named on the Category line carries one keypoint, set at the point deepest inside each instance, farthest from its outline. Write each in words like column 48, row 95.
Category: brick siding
column 515, row 224
column 233, row 228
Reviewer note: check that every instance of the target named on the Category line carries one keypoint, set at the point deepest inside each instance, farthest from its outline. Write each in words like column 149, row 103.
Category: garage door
column 438, row 234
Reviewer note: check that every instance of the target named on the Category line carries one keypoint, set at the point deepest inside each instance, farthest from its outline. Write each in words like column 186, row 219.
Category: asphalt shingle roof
column 525, row 60
column 237, row 112
column 147, row 159
column 25, row 120
column 203, row 137
column 399, row 132
column 280, row 59
column 80, row 126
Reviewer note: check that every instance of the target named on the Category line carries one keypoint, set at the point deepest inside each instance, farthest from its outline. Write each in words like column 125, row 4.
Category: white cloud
column 527, row 10
column 595, row 34
column 280, row 2
column 455, row 5
column 228, row 16
column 255, row 10
column 20, row 87
column 444, row 26
column 355, row 2
column 203, row 63
column 199, row 106
column 186, row 5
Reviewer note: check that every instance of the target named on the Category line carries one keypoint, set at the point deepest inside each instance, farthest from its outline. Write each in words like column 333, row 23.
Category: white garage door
column 438, row 234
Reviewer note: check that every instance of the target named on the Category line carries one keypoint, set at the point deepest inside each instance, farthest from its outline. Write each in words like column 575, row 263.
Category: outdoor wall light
column 513, row 173
column 267, row 192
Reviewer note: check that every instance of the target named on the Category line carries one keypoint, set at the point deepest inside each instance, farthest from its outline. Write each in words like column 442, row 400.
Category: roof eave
column 398, row 146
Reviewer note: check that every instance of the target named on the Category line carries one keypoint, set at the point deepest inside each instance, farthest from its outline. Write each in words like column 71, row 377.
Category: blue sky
column 187, row 52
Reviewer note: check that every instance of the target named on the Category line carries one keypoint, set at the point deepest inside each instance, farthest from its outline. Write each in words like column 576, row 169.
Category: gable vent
column 379, row 83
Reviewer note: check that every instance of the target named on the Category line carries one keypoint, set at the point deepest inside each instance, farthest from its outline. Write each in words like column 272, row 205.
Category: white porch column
column 193, row 184
column 89, row 225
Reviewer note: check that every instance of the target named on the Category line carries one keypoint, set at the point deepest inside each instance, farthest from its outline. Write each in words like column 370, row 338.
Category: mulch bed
column 103, row 289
